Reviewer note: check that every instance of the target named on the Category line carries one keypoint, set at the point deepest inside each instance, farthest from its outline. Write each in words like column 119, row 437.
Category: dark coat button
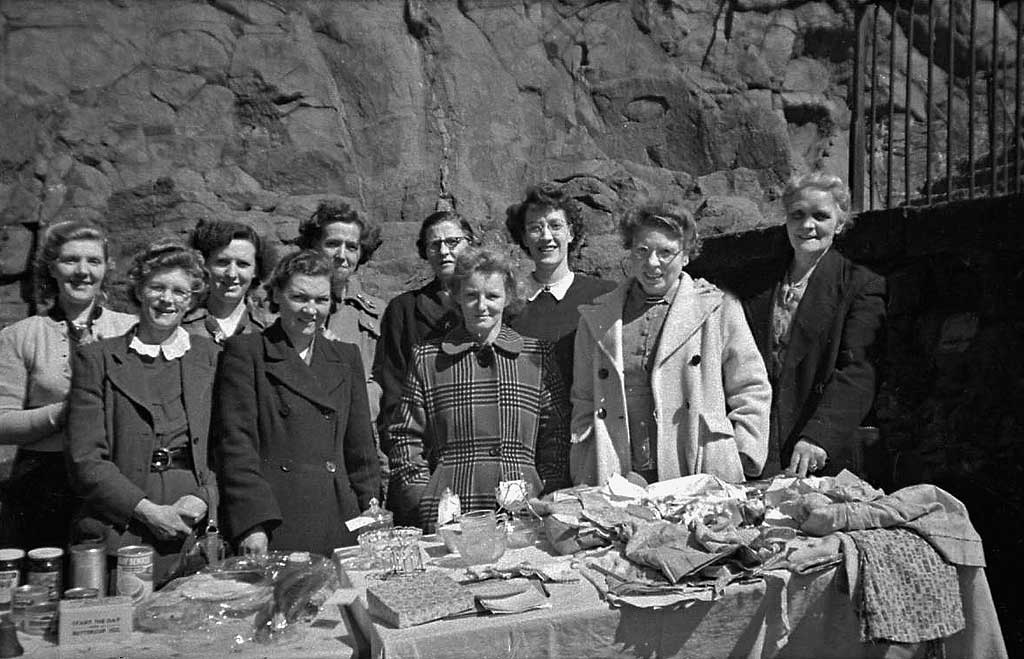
column 695, row 360
column 602, row 373
column 331, row 467
column 602, row 413
column 195, row 440
column 495, row 451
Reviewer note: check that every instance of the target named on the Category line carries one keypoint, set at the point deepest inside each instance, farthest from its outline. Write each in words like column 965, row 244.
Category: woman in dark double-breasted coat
column 295, row 445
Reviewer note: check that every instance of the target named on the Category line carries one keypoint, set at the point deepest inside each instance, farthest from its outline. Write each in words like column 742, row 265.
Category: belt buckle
column 161, row 460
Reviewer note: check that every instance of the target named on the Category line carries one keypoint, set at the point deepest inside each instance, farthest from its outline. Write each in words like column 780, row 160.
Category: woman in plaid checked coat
column 480, row 405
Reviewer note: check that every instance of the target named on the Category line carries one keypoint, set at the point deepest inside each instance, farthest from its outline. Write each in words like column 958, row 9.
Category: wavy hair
column 482, row 260
column 54, row 238
column 307, row 262
column 540, row 200
column 313, row 228
column 167, row 254
column 668, row 217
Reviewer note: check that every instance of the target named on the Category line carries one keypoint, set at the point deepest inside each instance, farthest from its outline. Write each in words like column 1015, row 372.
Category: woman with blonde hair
column 818, row 323
column 35, row 360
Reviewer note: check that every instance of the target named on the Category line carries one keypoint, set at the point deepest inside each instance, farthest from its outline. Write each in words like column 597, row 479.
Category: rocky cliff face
column 150, row 115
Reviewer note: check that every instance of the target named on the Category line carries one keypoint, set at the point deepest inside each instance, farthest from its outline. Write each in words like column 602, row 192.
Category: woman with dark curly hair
column 139, row 419
column 35, row 360
column 233, row 256
column 669, row 381
column 548, row 226
column 481, row 405
column 424, row 313
column 295, row 438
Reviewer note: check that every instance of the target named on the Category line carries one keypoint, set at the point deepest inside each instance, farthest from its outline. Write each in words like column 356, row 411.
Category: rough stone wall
column 149, row 115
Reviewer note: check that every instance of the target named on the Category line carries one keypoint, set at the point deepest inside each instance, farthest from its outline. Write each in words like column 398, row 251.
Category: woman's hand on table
column 255, row 542
column 164, row 521
column 807, row 458
column 191, row 509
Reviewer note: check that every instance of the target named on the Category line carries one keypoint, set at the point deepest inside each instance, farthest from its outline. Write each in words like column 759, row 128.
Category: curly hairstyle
column 210, row 236
column 437, row 218
column 55, row 237
column 313, row 228
column 167, row 254
column 482, row 260
column 540, row 200
column 830, row 183
column 307, row 262
column 676, row 220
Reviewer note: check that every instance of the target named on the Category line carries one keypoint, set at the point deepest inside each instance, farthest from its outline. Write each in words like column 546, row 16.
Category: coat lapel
column 817, row 309
column 285, row 366
column 327, row 369
column 124, row 376
column 195, row 370
column 605, row 321
column 694, row 302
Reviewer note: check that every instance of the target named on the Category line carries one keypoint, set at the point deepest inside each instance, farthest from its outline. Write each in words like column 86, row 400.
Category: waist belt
column 170, row 458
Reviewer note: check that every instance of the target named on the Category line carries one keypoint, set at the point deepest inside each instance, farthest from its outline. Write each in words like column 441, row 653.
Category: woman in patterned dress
column 480, row 405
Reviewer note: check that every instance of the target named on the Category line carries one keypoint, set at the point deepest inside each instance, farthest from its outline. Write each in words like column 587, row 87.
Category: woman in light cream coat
column 667, row 380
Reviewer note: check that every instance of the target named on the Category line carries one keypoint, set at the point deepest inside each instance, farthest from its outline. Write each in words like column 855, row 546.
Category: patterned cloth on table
column 902, row 589
column 473, row 415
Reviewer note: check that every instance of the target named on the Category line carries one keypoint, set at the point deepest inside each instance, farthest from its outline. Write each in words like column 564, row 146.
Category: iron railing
column 916, row 139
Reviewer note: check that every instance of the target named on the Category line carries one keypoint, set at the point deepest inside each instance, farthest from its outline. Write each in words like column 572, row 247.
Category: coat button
column 284, row 468
column 602, row 373
column 495, row 451
column 195, row 440
column 327, row 414
column 331, row 467
column 695, row 360
column 602, row 413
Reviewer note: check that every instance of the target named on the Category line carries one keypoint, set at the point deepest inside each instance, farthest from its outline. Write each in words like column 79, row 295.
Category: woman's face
column 444, row 242
column 232, row 270
column 547, row 236
column 656, row 259
column 304, row 304
column 812, row 221
column 79, row 270
column 482, row 300
column 165, row 296
column 341, row 243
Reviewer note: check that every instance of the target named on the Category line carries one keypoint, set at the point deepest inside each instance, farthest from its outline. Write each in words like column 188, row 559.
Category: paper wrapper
column 403, row 601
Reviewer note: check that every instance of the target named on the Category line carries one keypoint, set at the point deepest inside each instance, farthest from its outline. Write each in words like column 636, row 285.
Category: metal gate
column 936, row 102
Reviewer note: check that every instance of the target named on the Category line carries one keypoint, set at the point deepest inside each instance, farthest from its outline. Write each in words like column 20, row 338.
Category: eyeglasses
column 664, row 255
column 451, row 243
column 536, row 229
column 158, row 291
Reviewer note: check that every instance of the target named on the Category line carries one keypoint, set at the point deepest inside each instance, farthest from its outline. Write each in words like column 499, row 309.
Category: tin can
column 89, row 567
column 40, row 619
column 135, row 571
column 10, row 574
column 81, row 593
column 46, row 568
column 27, row 597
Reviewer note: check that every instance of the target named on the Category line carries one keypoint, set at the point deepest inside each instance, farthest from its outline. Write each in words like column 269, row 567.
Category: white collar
column 233, row 318
column 174, row 346
column 557, row 289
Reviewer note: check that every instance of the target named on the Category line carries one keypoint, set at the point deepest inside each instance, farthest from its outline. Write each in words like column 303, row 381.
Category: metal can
column 135, row 571
column 40, row 619
column 46, row 568
column 89, row 567
column 81, row 593
column 27, row 597
column 10, row 574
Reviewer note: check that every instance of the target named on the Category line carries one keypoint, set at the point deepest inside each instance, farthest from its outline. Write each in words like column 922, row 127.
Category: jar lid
column 88, row 548
column 11, row 554
column 45, row 552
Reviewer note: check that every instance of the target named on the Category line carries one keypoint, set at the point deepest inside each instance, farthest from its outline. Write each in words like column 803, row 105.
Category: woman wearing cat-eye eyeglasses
column 420, row 314
column 667, row 378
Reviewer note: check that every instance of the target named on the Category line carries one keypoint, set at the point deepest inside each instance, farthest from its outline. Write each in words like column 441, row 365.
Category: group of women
column 204, row 410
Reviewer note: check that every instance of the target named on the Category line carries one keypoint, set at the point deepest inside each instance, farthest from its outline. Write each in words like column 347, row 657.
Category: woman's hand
column 807, row 458
column 255, row 542
column 164, row 521
column 191, row 509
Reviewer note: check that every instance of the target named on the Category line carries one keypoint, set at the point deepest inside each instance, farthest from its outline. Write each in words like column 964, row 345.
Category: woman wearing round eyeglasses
column 415, row 316
column 668, row 381
column 35, row 376
column 548, row 226
column 139, row 418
